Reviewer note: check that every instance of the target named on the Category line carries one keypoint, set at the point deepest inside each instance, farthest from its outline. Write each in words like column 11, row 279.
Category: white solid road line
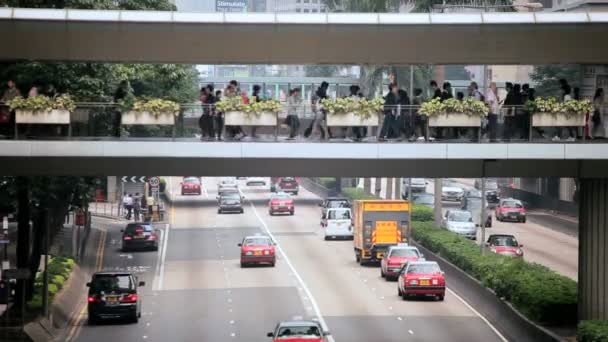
column 313, row 302
column 204, row 189
column 478, row 315
column 158, row 260
column 161, row 273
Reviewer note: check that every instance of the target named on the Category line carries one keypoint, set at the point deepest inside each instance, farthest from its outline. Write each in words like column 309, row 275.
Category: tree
column 547, row 78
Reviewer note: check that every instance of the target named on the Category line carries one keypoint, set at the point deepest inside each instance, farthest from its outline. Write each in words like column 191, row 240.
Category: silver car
column 461, row 223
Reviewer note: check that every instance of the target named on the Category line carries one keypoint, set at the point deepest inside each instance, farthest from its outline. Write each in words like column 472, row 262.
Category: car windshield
column 423, row 269
column 404, row 252
column 133, row 228
column 300, row 331
column 424, row 199
column 231, row 197
column 112, row 282
column 511, row 204
column 506, row 241
column 337, row 204
column 338, row 214
column 491, row 185
column 192, row 180
column 259, row 241
column 460, row 216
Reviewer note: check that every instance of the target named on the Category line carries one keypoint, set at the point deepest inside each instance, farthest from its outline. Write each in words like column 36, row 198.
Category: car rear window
column 511, row 204
column 134, row 228
column 337, row 204
column 460, row 216
column 424, row 269
column 404, row 252
column 282, row 195
column 261, row 241
column 338, row 214
column 111, row 282
column 299, row 331
column 288, row 180
column 192, row 180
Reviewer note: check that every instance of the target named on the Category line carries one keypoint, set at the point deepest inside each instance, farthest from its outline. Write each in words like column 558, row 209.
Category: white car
column 452, row 193
column 338, row 224
column 460, row 222
column 418, row 186
column 255, row 181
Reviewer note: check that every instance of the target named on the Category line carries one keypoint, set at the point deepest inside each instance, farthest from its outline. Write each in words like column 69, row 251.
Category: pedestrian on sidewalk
column 129, row 206
column 136, row 207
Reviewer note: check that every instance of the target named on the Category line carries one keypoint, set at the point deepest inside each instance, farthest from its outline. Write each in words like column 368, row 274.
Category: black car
column 230, row 203
column 139, row 236
column 114, row 295
column 492, row 191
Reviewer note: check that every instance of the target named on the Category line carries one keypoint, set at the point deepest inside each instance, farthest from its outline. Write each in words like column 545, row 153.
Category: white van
column 338, row 224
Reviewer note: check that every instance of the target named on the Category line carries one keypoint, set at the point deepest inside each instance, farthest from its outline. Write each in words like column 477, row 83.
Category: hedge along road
column 542, row 245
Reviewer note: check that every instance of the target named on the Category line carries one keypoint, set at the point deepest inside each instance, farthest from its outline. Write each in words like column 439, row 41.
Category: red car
column 506, row 245
column 421, row 278
column 298, row 331
column 510, row 209
column 396, row 258
column 191, row 186
column 282, row 203
column 257, row 250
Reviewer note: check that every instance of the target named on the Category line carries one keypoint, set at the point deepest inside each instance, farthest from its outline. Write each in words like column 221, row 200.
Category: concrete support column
column 367, row 185
column 593, row 249
column 389, row 188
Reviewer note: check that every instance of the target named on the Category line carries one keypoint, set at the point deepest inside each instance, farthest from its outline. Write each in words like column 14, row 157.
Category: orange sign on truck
column 379, row 224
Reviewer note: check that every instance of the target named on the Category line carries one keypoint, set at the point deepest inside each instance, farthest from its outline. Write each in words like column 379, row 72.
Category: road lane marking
column 313, row 302
column 411, row 332
column 204, row 189
column 502, row 338
column 161, row 275
column 76, row 328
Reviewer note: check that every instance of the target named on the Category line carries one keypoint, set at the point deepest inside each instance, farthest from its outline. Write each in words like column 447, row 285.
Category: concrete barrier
column 503, row 316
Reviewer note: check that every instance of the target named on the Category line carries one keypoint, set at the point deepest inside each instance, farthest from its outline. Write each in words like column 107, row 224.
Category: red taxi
column 282, row 203
column 257, row 250
column 191, row 186
column 298, row 331
column 505, row 244
column 421, row 278
column 510, row 209
column 396, row 258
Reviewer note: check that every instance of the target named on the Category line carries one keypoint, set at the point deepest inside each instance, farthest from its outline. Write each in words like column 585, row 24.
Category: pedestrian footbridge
column 581, row 160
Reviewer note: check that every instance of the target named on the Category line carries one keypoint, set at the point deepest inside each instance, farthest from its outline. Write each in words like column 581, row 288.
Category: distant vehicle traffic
column 288, row 184
column 191, row 186
column 424, row 199
column 505, row 244
column 510, row 209
column 418, row 186
column 421, row 278
column 298, row 331
column 225, row 191
column 139, row 236
column 255, row 181
column 338, row 224
column 257, row 249
column 396, row 258
column 473, row 205
column 461, row 223
column 230, row 202
column 333, row 202
column 281, row 203
column 492, row 191
column 114, row 295
column 379, row 224
column 452, row 193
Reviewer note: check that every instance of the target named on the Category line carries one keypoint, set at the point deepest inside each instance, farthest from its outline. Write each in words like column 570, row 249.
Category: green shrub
column 328, row 182
column 422, row 213
column 59, row 269
column 58, row 280
column 357, row 194
column 536, row 291
column 593, row 331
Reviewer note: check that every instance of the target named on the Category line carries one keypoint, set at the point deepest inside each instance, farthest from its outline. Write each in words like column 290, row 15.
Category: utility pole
column 409, row 200
column 45, row 288
column 438, row 205
column 482, row 222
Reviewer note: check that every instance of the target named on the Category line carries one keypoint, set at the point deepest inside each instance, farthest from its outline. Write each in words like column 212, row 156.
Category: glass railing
column 303, row 122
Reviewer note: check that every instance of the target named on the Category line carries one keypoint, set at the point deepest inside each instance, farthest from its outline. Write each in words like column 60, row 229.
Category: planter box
column 454, row 120
column 244, row 119
column 54, row 117
column 146, row 118
column 558, row 120
column 351, row 119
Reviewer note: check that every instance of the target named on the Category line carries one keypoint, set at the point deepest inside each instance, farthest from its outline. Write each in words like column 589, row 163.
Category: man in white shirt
column 128, row 203
column 494, row 102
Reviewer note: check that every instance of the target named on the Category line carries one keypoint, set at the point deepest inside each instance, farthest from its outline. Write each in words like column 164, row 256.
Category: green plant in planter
column 39, row 104
column 577, row 107
column 359, row 106
column 230, row 104
column 153, row 106
column 550, row 105
column 432, row 107
column 468, row 106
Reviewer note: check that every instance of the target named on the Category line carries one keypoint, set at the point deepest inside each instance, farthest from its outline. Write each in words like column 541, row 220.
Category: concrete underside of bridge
column 593, row 249
column 385, row 39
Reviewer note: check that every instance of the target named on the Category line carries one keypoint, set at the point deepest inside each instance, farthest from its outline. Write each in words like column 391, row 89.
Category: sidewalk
column 106, row 209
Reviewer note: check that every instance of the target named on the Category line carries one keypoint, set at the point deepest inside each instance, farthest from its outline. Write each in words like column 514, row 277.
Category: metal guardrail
column 96, row 120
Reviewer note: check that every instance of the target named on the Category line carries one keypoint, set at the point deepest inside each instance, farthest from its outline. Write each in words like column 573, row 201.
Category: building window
column 298, row 1
column 314, row 10
column 306, row 1
column 306, row 10
column 298, row 10
column 315, row 1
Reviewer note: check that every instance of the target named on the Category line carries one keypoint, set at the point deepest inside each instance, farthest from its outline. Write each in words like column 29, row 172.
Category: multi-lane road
column 197, row 291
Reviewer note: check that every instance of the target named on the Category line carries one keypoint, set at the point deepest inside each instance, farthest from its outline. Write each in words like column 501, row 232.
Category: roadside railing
column 403, row 123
